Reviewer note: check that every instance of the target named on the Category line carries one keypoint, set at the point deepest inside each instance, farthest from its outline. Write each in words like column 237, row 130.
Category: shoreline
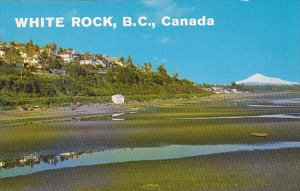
column 133, row 99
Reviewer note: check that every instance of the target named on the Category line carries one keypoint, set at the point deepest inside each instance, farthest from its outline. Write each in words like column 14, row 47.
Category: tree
column 147, row 72
column 44, row 56
column 148, row 67
column 129, row 61
column 122, row 59
column 161, row 70
column 29, row 44
column 175, row 76
column 12, row 43
column 51, row 63
column 12, row 56
column 51, row 47
column 233, row 85
column 61, row 50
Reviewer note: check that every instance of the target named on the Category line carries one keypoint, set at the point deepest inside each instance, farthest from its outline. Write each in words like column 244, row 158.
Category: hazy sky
column 254, row 36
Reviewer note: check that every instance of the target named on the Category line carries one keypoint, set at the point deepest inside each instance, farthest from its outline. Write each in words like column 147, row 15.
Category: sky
column 249, row 36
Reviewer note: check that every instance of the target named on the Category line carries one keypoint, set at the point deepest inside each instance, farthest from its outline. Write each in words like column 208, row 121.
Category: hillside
column 63, row 81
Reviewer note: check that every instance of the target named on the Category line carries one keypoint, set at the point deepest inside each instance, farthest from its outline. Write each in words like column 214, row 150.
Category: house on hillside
column 88, row 56
column 67, row 56
column 100, row 63
column 114, row 61
column 90, row 61
column 222, row 90
column 93, row 62
column 19, row 46
column 76, row 57
column 35, row 59
column 23, row 54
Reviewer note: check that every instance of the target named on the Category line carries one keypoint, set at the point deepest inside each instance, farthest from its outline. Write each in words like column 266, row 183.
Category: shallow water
column 275, row 103
column 287, row 101
column 133, row 154
column 280, row 116
column 275, row 106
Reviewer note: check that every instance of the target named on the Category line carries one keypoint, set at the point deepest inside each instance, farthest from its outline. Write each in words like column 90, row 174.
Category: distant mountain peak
column 260, row 79
column 258, row 75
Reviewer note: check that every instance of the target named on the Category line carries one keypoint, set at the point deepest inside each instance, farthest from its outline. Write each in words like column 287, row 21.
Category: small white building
column 115, row 61
column 32, row 60
column 93, row 62
column 67, row 56
column 100, row 63
column 23, row 54
column 234, row 91
column 86, row 62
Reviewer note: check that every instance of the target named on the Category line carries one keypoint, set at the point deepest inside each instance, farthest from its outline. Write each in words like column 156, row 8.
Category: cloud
column 159, row 9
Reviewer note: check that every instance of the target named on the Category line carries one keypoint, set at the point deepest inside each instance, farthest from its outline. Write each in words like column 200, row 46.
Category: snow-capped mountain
column 259, row 79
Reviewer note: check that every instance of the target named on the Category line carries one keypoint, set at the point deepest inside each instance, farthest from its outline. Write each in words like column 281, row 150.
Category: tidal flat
column 255, row 170
column 213, row 120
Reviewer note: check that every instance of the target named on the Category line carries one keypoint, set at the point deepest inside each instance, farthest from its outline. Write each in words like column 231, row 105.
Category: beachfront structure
column 222, row 90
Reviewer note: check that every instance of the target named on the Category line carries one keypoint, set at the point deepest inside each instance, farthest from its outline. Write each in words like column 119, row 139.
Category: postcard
column 150, row 95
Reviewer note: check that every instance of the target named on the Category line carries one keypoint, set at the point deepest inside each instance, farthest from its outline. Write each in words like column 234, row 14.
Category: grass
column 24, row 100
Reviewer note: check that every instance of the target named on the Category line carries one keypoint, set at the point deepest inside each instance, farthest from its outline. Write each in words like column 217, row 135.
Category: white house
column 32, row 60
column 23, row 54
column 100, row 63
column 114, row 61
column 234, row 91
column 86, row 62
column 93, row 62
column 67, row 56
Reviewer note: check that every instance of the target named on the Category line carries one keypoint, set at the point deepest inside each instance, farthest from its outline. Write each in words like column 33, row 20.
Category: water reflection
column 286, row 101
column 35, row 163
column 279, row 116
column 277, row 103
